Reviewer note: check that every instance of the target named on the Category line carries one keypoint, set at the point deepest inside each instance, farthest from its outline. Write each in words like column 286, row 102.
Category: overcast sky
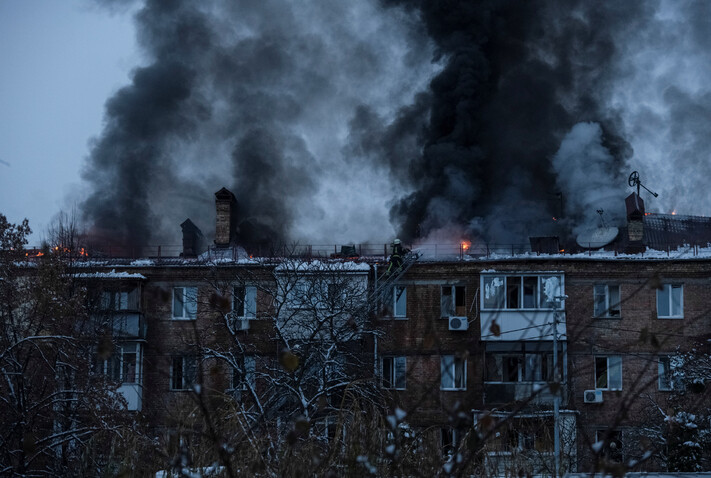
column 60, row 61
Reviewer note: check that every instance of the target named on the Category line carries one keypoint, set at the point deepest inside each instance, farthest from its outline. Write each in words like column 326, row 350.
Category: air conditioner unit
column 592, row 396
column 242, row 324
column 458, row 323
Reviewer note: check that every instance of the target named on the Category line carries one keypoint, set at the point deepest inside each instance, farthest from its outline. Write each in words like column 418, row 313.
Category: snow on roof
column 319, row 266
column 110, row 275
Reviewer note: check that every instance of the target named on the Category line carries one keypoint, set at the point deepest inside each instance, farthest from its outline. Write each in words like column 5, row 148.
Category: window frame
column 248, row 301
column 401, row 299
column 189, row 298
column 608, row 367
column 670, row 287
column 455, row 362
column 185, row 384
column 609, row 306
column 115, row 367
column 452, row 298
column 665, row 371
column 506, row 286
column 392, row 382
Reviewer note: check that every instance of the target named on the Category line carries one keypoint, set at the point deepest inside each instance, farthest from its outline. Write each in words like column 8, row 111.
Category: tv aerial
column 634, row 180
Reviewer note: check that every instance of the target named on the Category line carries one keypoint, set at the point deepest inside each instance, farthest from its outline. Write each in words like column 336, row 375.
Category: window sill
column 609, row 389
column 394, row 317
column 395, row 389
column 671, row 318
column 453, row 389
column 182, row 319
column 607, row 317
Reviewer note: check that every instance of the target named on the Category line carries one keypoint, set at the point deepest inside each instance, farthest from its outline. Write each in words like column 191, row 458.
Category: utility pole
column 558, row 378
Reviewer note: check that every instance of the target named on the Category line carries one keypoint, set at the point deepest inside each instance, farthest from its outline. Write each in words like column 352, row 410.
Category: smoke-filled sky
column 338, row 122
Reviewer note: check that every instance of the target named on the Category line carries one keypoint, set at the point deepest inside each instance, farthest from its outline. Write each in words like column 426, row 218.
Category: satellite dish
column 596, row 238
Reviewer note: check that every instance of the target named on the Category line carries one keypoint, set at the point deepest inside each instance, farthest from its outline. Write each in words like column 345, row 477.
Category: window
column 123, row 364
column 244, row 377
column 452, row 301
column 521, row 291
column 449, row 439
column 394, row 372
column 454, row 373
column 607, row 300
column 520, row 361
column 111, row 300
column 610, row 442
column 608, row 372
column 184, row 303
column 667, row 379
column 183, row 372
column 244, row 302
column 670, row 301
column 397, row 306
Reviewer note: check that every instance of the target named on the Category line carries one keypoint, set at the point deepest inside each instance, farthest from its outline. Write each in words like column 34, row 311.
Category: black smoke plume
column 487, row 118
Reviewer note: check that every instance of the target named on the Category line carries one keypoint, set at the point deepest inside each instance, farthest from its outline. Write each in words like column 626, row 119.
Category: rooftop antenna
column 635, row 181
column 602, row 219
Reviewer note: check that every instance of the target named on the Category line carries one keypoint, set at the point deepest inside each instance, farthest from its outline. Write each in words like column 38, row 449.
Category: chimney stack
column 635, row 223
column 192, row 239
column 226, row 224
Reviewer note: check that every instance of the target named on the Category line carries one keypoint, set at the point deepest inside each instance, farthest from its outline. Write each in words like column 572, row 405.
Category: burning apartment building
column 488, row 360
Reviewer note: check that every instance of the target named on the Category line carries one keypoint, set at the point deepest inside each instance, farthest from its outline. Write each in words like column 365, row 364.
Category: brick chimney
column 226, row 224
column 635, row 223
column 192, row 239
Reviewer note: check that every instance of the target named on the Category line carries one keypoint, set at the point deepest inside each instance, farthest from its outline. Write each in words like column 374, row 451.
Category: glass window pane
column 614, row 300
column 513, row 292
column 600, row 372
column 550, row 289
column 238, row 301
column 493, row 292
column 663, row 301
column 446, row 302
column 129, row 367
column 676, row 301
column 191, row 302
column 600, row 302
column 614, row 364
column 459, row 373
column 250, row 300
column 530, row 288
column 400, row 301
column 447, row 363
column 178, row 293
column 250, row 367
column 388, row 372
column 494, row 368
column 400, row 372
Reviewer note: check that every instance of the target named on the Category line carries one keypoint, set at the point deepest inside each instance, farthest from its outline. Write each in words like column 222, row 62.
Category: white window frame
column 611, row 309
column 394, row 372
column 118, row 359
column 399, row 300
column 668, row 289
column 188, row 311
column 247, row 296
column 490, row 283
column 185, row 382
column 612, row 362
column 448, row 369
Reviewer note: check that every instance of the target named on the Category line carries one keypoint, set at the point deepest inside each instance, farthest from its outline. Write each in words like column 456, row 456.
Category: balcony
column 535, row 393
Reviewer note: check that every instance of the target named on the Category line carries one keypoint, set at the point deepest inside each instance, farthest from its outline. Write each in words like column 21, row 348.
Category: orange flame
column 465, row 245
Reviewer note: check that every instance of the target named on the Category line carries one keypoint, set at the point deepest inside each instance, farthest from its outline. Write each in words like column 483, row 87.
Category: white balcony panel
column 521, row 325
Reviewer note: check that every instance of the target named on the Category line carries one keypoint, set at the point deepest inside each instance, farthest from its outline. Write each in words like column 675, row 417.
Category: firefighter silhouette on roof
column 399, row 252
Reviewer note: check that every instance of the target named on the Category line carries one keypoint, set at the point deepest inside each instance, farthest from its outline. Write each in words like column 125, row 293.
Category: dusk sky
column 337, row 122
column 60, row 61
